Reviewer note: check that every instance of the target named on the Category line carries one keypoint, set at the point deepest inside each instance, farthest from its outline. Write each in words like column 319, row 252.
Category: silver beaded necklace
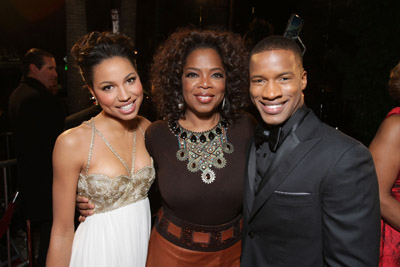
column 203, row 150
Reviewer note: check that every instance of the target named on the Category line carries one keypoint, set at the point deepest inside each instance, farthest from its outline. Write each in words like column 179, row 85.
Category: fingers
column 84, row 206
column 85, row 212
column 81, row 199
column 81, row 218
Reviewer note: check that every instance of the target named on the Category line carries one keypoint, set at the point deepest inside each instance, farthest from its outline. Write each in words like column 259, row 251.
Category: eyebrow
column 257, row 76
column 198, row 69
column 126, row 77
column 279, row 75
column 286, row 73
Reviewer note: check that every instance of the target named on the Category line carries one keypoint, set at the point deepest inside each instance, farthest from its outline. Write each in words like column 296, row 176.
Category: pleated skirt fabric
column 118, row 238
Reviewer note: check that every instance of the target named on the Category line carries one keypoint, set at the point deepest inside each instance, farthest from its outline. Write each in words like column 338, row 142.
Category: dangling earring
column 94, row 100
column 181, row 106
column 223, row 103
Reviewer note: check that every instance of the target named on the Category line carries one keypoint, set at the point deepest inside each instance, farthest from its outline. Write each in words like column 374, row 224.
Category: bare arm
column 385, row 150
column 66, row 168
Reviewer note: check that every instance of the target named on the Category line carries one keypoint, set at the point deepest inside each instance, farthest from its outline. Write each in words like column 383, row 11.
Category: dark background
column 351, row 45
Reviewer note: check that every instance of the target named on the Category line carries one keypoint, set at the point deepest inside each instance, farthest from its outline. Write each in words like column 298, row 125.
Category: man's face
column 47, row 75
column 277, row 81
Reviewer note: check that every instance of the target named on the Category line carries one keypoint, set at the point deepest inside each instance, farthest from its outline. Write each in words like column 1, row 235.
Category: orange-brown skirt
column 166, row 254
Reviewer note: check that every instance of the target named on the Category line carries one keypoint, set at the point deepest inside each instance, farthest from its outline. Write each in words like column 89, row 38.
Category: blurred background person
column 258, row 29
column 385, row 150
column 36, row 118
column 106, row 161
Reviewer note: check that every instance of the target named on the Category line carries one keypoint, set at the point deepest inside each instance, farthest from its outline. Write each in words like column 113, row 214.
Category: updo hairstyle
column 94, row 47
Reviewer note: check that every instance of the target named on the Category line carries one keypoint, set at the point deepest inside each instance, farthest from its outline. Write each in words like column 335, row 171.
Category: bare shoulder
column 388, row 134
column 390, row 127
column 74, row 139
column 143, row 122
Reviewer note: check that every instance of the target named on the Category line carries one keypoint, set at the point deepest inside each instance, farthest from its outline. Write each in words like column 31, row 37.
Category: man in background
column 37, row 118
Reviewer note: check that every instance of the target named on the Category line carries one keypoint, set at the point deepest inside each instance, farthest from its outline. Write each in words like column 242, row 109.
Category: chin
column 272, row 121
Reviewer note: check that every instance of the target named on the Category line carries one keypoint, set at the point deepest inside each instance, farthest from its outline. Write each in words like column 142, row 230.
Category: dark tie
column 273, row 137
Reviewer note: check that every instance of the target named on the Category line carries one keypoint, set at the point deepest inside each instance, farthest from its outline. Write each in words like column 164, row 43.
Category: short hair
column 93, row 48
column 277, row 42
column 394, row 83
column 34, row 56
column 170, row 59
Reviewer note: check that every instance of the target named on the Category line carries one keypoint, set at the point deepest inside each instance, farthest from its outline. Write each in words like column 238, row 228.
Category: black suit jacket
column 318, row 204
column 37, row 118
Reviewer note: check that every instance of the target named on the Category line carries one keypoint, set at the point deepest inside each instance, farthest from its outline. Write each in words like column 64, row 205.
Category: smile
column 272, row 109
column 128, row 108
column 204, row 98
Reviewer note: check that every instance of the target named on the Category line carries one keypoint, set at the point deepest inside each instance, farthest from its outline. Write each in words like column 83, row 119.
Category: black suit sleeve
column 350, row 210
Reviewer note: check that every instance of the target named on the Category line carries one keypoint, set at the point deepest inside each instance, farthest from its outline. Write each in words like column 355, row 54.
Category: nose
column 271, row 91
column 205, row 82
column 55, row 73
column 123, row 94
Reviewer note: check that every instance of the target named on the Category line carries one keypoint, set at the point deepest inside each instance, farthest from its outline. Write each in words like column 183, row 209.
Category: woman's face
column 203, row 82
column 117, row 88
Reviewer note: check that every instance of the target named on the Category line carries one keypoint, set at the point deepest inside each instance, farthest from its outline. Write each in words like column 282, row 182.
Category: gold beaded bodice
column 111, row 193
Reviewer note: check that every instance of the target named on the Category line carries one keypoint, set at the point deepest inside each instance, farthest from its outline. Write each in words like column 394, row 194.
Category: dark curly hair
column 169, row 61
column 94, row 47
column 394, row 83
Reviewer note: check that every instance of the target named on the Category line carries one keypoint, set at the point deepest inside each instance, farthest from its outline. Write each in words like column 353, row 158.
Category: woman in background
column 200, row 89
column 385, row 149
column 106, row 160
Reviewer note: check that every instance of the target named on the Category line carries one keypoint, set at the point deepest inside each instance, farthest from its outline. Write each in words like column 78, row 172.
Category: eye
column 258, row 80
column 131, row 80
column 191, row 75
column 284, row 79
column 106, row 88
column 218, row 75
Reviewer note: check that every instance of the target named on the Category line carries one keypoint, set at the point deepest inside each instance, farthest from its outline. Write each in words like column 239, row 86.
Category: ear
column 91, row 91
column 33, row 69
column 304, row 80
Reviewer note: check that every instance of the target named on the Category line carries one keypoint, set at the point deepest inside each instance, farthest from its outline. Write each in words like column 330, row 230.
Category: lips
column 204, row 98
column 272, row 109
column 129, row 108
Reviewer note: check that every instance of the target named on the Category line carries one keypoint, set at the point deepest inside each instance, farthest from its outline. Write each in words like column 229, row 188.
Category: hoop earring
column 181, row 106
column 223, row 103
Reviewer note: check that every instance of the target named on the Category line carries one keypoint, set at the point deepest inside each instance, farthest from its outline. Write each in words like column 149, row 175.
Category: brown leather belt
column 198, row 237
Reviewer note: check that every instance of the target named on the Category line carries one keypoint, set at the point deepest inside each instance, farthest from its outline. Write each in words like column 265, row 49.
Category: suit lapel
column 251, row 172
column 293, row 149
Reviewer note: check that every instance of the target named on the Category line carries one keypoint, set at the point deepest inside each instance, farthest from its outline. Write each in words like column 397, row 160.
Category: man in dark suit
column 311, row 192
column 37, row 118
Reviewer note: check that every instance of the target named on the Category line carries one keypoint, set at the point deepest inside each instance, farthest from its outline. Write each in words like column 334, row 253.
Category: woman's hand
column 84, row 207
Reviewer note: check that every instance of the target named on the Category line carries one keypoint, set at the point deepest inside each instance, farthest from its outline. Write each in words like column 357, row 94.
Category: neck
column 115, row 125
column 195, row 123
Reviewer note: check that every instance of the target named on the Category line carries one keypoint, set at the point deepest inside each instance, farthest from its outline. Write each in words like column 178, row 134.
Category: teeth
column 127, row 107
column 204, row 97
column 273, row 106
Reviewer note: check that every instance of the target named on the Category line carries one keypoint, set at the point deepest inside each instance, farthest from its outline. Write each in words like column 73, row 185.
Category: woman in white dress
column 105, row 160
